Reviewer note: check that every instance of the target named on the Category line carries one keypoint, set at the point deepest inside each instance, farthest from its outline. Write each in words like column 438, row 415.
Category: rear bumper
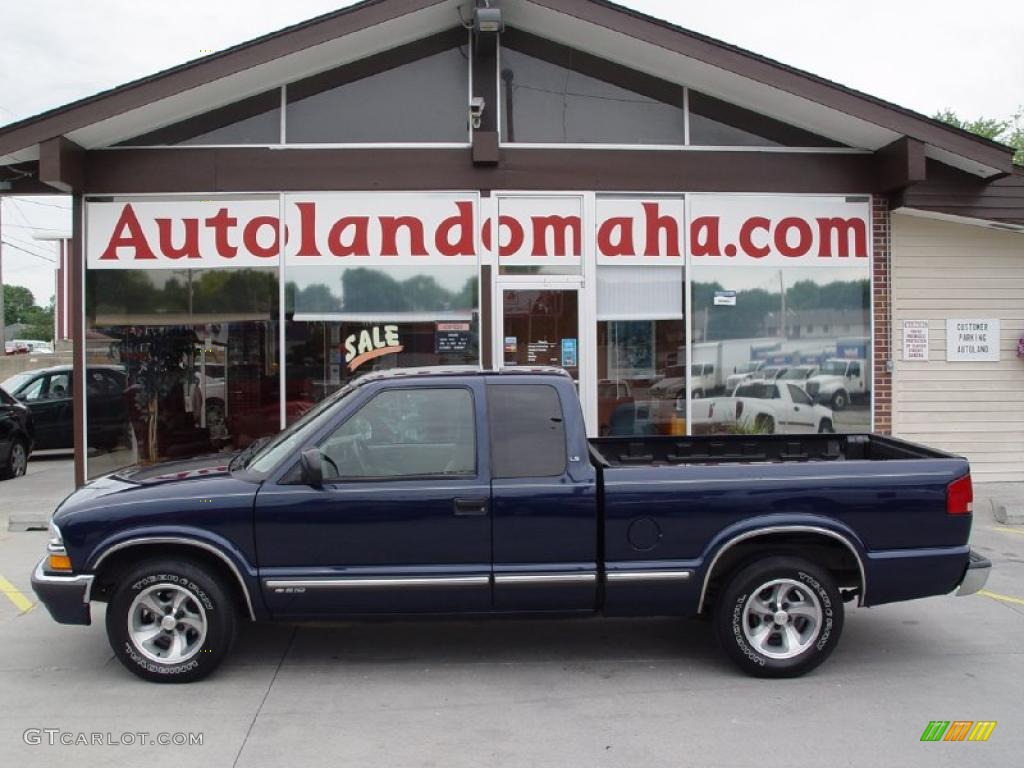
column 65, row 597
column 976, row 574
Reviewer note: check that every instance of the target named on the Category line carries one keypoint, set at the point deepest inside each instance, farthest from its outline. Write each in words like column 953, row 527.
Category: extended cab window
column 405, row 433
column 527, row 430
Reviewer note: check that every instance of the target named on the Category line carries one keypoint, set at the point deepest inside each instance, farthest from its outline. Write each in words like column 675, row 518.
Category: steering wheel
column 329, row 460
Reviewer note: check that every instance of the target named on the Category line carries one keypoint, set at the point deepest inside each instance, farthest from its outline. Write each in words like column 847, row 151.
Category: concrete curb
column 1008, row 512
column 28, row 522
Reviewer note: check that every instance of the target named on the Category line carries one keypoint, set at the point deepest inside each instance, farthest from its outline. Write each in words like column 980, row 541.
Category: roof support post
column 900, row 164
column 62, row 164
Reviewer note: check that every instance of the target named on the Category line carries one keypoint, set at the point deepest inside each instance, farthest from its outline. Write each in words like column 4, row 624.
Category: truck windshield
column 267, row 455
column 15, row 382
column 835, row 368
column 797, row 374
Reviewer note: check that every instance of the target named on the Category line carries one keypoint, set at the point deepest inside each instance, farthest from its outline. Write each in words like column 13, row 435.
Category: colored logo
column 958, row 730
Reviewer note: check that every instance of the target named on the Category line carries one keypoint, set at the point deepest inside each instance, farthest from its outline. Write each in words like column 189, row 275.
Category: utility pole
column 782, row 291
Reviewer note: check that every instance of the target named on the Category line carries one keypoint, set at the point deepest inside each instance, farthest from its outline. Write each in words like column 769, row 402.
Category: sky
column 925, row 55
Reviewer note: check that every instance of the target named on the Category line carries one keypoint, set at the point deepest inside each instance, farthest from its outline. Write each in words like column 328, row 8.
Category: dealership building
column 680, row 224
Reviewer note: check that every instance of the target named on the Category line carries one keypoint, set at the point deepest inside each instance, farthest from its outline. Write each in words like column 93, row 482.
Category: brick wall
column 882, row 294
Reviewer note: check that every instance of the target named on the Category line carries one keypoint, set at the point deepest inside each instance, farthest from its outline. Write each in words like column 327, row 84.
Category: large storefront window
column 180, row 362
column 347, row 321
column 784, row 349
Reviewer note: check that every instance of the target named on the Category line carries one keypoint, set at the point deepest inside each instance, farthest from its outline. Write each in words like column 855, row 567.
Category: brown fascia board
column 138, row 93
column 63, row 120
column 784, row 77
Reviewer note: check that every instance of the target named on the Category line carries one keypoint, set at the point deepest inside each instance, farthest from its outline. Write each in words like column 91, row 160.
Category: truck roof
column 460, row 370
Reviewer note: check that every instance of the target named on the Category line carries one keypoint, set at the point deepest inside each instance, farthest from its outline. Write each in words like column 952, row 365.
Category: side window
column 34, row 390
column 799, row 396
column 405, row 433
column 527, row 430
column 854, row 369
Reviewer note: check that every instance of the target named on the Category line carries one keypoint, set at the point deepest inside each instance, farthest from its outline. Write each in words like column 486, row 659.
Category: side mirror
column 312, row 469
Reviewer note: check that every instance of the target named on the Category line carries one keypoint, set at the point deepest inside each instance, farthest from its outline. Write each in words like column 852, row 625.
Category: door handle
column 470, row 507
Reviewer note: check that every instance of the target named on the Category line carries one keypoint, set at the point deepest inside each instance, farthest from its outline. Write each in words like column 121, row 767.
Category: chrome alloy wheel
column 167, row 624
column 782, row 618
column 19, row 459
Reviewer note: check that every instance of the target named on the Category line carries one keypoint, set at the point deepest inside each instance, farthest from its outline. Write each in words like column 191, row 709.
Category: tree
column 18, row 302
column 20, row 307
column 1009, row 132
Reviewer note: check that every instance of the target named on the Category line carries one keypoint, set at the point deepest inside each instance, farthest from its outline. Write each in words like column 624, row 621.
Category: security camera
column 476, row 111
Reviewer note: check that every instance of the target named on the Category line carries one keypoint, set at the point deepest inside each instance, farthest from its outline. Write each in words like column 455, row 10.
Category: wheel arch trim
column 770, row 530
column 147, row 540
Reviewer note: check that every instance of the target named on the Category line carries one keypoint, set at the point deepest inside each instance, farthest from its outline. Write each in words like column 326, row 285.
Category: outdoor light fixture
column 487, row 20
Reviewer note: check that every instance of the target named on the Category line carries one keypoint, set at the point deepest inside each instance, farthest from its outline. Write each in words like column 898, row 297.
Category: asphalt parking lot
column 519, row 693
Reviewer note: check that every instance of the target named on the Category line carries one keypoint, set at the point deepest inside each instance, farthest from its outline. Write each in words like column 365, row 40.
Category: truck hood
column 138, row 483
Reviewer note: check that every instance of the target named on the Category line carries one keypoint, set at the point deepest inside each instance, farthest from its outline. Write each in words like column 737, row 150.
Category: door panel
column 389, row 542
column 544, row 502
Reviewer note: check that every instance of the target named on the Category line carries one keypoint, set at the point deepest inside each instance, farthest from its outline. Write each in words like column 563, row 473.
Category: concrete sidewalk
column 28, row 502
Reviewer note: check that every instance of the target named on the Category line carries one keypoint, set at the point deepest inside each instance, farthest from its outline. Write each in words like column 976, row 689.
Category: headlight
column 57, row 559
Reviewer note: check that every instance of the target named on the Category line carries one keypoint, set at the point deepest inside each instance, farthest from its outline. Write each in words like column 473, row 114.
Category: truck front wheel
column 840, row 400
column 170, row 621
column 779, row 617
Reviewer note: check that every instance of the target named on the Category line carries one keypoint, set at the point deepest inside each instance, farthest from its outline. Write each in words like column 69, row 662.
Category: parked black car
column 49, row 395
column 16, row 436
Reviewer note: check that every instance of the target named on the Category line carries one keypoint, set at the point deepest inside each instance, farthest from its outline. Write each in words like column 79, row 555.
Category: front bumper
column 65, row 597
column 976, row 574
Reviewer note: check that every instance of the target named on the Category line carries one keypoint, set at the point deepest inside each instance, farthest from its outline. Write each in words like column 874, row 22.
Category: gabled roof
column 598, row 27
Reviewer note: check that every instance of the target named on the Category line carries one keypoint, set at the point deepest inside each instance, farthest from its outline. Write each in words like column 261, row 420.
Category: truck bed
column 751, row 449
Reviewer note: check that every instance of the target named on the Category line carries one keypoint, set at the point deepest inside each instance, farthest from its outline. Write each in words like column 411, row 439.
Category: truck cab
column 838, row 380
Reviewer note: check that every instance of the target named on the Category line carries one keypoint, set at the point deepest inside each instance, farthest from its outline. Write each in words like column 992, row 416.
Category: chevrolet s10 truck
column 472, row 493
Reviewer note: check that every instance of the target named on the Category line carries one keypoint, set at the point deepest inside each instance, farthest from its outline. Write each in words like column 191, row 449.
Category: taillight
column 960, row 496
column 739, row 409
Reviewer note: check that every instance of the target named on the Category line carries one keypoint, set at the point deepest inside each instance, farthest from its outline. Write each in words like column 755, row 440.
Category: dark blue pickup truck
column 468, row 493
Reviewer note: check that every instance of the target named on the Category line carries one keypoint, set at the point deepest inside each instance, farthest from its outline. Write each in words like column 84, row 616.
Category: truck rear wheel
column 170, row 621
column 840, row 400
column 779, row 617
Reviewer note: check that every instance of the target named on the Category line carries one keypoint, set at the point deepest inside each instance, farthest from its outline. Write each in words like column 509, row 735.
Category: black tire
column 17, row 460
column 736, row 617
column 840, row 400
column 202, row 594
column 826, row 426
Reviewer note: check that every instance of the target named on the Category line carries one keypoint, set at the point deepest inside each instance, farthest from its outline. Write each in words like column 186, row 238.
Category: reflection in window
column 347, row 321
column 641, row 344
column 405, row 433
column 544, row 102
column 421, row 101
column 198, row 350
column 782, row 367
